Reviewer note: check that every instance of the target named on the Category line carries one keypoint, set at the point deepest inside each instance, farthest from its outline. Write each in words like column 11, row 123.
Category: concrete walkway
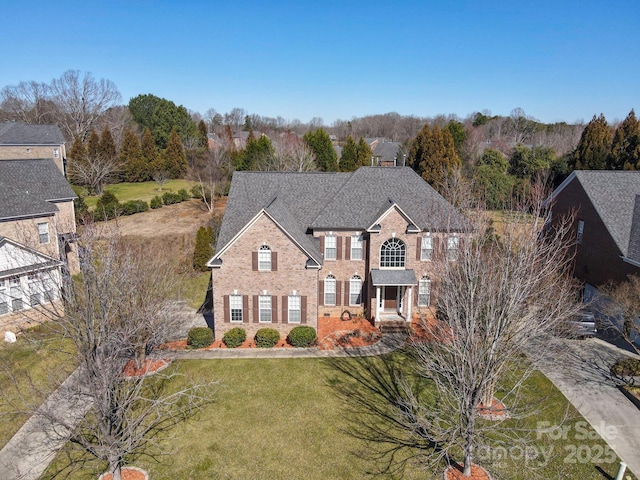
column 30, row 451
column 580, row 370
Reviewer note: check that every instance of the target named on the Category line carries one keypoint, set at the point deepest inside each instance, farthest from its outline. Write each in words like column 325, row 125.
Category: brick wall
column 598, row 258
column 237, row 274
column 18, row 152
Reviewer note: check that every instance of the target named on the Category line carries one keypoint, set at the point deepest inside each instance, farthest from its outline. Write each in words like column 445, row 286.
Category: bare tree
column 209, row 174
column 82, row 100
column 290, row 154
column 119, row 307
column 29, row 102
column 495, row 297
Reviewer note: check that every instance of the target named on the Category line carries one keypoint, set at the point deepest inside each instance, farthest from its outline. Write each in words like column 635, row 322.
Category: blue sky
column 558, row 60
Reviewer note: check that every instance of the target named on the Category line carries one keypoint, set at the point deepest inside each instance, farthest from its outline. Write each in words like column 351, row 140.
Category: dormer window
column 393, row 254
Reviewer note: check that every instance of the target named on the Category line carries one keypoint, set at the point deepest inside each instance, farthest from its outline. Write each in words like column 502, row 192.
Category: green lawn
column 279, row 419
column 29, row 369
column 193, row 288
column 139, row 191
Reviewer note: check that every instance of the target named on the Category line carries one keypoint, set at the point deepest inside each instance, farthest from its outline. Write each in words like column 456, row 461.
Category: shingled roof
column 30, row 188
column 301, row 202
column 18, row 133
column 613, row 195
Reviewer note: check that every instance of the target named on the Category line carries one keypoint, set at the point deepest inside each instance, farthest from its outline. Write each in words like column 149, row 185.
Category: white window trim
column 330, row 246
column 262, row 309
column 233, row 305
column 43, row 229
column 264, row 259
column 294, row 299
column 356, row 246
column 330, row 280
column 424, row 289
column 401, row 264
column 426, row 251
column 580, row 232
column 357, row 293
column 453, row 247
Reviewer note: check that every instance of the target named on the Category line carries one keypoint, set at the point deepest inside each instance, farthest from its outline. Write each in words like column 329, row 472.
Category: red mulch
column 477, row 473
column 149, row 366
column 127, row 474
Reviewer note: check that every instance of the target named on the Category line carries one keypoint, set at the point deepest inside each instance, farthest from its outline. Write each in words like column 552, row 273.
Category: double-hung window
column 264, row 302
column 330, row 290
column 235, row 307
column 15, row 292
column 424, row 292
column 330, row 247
column 43, row 232
column 355, row 287
column 356, row 247
column 264, row 258
column 4, row 296
column 453, row 243
column 580, row 232
column 295, row 308
column 426, row 248
column 35, row 289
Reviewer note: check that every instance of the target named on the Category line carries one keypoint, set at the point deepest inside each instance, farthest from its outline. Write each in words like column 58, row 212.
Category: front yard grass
column 139, row 191
column 279, row 419
column 36, row 363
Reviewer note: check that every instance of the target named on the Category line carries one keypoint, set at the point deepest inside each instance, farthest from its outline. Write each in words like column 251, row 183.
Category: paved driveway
column 580, row 370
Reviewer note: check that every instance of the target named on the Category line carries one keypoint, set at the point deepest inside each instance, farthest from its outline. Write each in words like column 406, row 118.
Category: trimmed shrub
column 235, row 337
column 626, row 367
column 200, row 337
column 267, row 337
column 301, row 336
column 184, row 195
column 134, row 206
column 169, row 198
column 156, row 202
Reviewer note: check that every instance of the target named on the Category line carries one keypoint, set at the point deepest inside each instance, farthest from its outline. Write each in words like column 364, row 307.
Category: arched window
column 264, row 258
column 424, row 292
column 330, row 290
column 355, row 289
column 393, row 254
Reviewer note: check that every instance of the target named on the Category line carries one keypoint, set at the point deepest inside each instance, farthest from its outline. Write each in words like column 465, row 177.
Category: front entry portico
column 394, row 292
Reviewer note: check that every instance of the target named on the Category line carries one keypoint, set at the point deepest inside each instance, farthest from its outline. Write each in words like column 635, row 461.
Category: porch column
column 409, row 303
column 377, row 303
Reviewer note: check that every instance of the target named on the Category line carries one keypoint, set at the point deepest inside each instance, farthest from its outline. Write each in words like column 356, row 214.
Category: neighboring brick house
column 296, row 247
column 23, row 141
column 37, row 230
column 606, row 223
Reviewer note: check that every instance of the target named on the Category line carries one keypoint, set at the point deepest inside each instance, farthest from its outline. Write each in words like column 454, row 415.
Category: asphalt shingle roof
column 27, row 188
column 613, row 195
column 304, row 201
column 18, row 133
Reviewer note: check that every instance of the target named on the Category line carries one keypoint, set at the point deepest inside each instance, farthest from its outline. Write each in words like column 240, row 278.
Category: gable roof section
column 16, row 259
column 301, row 202
column 613, row 196
column 28, row 188
column 18, row 133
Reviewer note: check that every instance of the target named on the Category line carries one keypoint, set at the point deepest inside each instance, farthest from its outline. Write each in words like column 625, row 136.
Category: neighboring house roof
column 387, row 151
column 18, row 133
column 17, row 259
column 614, row 195
column 301, row 202
column 28, row 188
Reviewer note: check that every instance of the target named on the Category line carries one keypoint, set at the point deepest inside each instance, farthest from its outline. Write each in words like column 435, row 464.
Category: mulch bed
column 477, row 473
column 127, row 474
column 150, row 366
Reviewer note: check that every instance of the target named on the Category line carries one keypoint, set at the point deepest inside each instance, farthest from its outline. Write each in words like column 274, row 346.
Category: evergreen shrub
column 234, row 337
column 301, row 336
column 267, row 337
column 200, row 337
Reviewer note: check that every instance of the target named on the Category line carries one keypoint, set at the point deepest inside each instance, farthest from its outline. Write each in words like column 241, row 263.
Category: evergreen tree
column 320, row 142
column 93, row 145
column 349, row 156
column 203, row 250
column 492, row 179
column 364, row 153
column 77, row 157
column 256, row 153
column 132, row 160
column 459, row 135
column 594, row 146
column 248, row 126
column 150, row 153
column 175, row 159
column 625, row 147
column 432, row 155
column 202, row 135
column 107, row 151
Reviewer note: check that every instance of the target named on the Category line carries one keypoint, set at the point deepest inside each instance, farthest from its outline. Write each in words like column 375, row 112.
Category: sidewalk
column 30, row 451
